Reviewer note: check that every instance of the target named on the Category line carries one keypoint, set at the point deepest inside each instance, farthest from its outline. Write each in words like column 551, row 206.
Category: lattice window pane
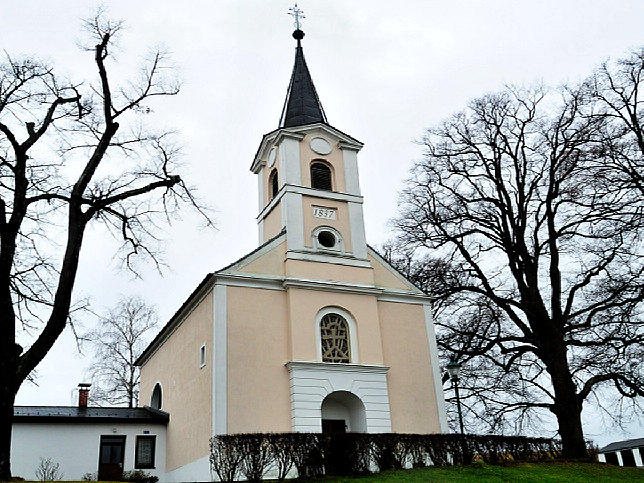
column 144, row 456
column 335, row 338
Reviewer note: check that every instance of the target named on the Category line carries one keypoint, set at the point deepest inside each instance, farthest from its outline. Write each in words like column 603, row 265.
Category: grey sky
column 383, row 70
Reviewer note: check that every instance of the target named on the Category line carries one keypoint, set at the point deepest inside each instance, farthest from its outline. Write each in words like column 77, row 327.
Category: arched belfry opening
column 321, row 177
column 343, row 412
column 273, row 183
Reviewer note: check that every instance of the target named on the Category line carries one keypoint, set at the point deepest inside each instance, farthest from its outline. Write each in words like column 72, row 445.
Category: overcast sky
column 383, row 70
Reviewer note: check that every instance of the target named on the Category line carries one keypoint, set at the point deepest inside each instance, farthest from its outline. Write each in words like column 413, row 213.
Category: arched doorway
column 343, row 412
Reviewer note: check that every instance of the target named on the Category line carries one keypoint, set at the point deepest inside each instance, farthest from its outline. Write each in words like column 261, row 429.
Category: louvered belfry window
column 335, row 339
column 320, row 176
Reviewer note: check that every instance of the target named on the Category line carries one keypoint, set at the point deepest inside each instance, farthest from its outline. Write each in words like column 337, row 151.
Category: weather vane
column 297, row 14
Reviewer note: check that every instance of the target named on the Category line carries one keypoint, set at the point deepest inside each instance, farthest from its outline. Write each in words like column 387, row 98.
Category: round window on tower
column 326, row 239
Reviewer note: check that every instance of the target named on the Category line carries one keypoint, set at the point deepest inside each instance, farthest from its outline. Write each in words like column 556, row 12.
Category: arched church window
column 321, row 176
column 273, row 183
column 156, row 401
column 334, row 335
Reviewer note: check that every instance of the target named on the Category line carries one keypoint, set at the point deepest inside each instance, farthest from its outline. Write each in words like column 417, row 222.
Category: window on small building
column 628, row 458
column 321, row 176
column 273, row 183
column 334, row 335
column 611, row 458
column 202, row 355
column 145, row 449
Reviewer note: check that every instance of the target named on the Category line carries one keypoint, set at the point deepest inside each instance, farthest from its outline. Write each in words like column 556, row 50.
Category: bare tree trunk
column 567, row 407
column 7, row 398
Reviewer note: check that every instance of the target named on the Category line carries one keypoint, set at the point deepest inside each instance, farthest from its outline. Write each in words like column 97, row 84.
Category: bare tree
column 614, row 94
column 118, row 341
column 493, row 395
column 514, row 195
column 66, row 164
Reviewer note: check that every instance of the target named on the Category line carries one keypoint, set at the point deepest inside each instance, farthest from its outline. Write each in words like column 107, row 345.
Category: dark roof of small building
column 63, row 414
column 620, row 445
column 302, row 105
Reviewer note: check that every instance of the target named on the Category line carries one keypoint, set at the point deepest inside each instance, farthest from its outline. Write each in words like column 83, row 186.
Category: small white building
column 102, row 441
column 623, row 453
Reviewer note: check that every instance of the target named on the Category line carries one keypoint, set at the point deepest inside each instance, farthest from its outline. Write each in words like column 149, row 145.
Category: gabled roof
column 63, row 414
column 620, row 445
column 302, row 105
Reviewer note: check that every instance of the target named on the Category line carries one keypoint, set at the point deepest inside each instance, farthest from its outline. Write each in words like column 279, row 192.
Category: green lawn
column 520, row 473
column 523, row 473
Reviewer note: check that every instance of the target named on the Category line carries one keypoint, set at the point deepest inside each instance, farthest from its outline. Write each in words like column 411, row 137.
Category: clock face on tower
column 271, row 157
column 320, row 146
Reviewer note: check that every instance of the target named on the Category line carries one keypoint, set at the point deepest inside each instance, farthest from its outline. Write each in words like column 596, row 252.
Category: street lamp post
column 454, row 369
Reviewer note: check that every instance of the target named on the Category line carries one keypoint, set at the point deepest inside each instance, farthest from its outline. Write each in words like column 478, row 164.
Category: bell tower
column 308, row 179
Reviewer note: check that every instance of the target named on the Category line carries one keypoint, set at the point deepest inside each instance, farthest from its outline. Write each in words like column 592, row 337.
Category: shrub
column 308, row 454
column 315, row 454
column 347, row 454
column 256, row 455
column 388, row 450
column 48, row 470
column 225, row 456
column 139, row 476
column 282, row 446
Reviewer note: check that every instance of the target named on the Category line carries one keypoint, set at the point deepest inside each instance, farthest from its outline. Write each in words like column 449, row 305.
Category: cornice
column 308, row 284
column 328, row 257
column 299, row 132
column 336, row 367
column 251, row 281
column 303, row 190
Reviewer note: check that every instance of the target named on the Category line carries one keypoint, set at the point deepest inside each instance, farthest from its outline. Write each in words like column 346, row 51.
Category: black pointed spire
column 302, row 105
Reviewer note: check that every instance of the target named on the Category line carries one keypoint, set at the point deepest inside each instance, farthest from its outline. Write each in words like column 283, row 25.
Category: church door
column 334, row 426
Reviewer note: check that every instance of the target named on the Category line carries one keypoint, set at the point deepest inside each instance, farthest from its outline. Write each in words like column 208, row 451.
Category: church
column 313, row 331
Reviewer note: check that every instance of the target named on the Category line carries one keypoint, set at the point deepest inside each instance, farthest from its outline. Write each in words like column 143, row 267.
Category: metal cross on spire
column 297, row 14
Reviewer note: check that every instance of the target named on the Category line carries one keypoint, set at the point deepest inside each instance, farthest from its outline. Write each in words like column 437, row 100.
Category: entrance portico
column 354, row 393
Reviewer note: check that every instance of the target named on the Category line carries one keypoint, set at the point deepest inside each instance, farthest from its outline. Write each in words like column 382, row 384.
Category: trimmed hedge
column 252, row 455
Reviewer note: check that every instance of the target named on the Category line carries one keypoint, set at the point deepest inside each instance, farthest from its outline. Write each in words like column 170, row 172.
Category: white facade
column 75, row 446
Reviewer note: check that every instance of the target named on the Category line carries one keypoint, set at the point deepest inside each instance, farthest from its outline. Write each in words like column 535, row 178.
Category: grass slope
column 523, row 472
column 483, row 473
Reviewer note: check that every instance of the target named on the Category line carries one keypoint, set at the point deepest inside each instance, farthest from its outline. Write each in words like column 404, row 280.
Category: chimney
column 83, row 394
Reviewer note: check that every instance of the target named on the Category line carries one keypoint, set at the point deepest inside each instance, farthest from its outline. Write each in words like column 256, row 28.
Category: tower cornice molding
column 344, row 141
column 303, row 190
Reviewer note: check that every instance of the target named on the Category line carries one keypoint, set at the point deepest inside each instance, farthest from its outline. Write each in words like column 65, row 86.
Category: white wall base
column 198, row 470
